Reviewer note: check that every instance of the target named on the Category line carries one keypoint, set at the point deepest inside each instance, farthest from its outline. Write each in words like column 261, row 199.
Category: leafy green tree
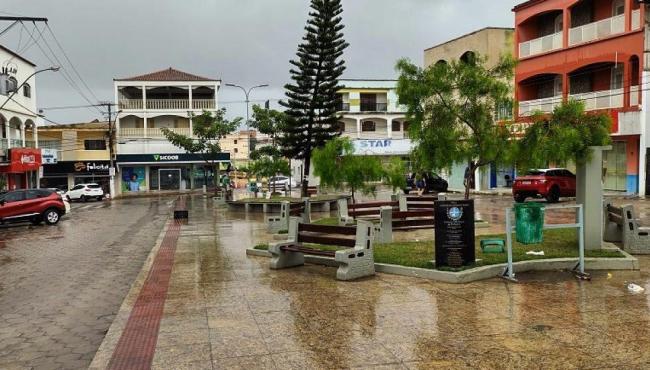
column 268, row 159
column 338, row 167
column 451, row 110
column 269, row 166
column 563, row 136
column 312, row 96
column 395, row 174
column 208, row 129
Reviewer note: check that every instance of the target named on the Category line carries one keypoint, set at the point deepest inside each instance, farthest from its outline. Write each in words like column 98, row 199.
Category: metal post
column 581, row 238
column 509, row 268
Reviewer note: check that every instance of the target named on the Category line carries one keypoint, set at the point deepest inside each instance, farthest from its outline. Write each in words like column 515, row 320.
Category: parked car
column 58, row 191
column 282, row 183
column 83, row 192
column 35, row 205
column 433, row 183
column 551, row 183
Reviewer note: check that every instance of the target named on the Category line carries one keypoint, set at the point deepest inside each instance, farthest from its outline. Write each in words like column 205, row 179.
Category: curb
column 109, row 343
column 484, row 272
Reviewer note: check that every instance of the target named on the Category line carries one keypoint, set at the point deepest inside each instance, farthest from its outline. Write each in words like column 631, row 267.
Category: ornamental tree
column 207, row 130
column 451, row 110
column 312, row 96
column 338, row 167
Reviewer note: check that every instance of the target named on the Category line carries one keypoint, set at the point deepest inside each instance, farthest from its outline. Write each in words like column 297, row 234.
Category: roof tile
column 169, row 74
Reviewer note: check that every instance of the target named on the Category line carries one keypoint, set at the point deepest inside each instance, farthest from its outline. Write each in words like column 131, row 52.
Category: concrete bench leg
column 384, row 232
column 281, row 259
column 359, row 261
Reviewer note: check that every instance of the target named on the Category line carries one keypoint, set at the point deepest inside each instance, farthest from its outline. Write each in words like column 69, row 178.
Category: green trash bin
column 529, row 219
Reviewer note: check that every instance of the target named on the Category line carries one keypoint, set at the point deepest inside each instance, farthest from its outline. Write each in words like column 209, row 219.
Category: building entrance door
column 615, row 167
column 169, row 179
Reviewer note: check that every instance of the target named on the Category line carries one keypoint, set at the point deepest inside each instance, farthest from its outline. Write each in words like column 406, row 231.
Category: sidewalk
column 200, row 303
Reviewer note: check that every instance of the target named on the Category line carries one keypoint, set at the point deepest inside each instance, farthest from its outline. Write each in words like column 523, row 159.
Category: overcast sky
column 247, row 42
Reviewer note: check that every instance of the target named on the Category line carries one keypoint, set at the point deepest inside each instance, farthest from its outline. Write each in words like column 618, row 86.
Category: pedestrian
column 420, row 184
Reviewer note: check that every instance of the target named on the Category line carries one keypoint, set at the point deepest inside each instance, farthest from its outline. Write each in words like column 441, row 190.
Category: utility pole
column 111, row 144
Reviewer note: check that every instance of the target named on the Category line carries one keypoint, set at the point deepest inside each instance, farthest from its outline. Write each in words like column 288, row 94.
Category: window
column 503, row 111
column 341, row 127
column 396, row 126
column 78, row 187
column 236, row 150
column 27, row 91
column 94, row 144
column 235, row 141
column 618, row 8
column 14, row 196
column 35, row 194
column 558, row 23
column 367, row 126
column 617, row 77
column 11, row 85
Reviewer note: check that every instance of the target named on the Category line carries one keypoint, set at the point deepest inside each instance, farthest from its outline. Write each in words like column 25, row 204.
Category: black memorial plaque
column 454, row 233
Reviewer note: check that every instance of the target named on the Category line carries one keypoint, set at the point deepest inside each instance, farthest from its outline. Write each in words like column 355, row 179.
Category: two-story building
column 490, row 43
column 169, row 98
column 20, row 158
column 592, row 51
column 74, row 154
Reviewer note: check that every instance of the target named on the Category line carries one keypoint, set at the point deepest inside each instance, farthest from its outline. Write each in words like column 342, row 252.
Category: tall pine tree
column 312, row 96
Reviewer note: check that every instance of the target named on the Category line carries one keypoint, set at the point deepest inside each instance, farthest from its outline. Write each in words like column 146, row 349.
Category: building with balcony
column 490, row 43
column 18, row 122
column 75, row 153
column 592, row 51
column 169, row 98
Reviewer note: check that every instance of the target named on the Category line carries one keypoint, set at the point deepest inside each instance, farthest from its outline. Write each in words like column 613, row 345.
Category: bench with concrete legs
column 347, row 213
column 287, row 209
column 622, row 226
column 391, row 220
column 355, row 258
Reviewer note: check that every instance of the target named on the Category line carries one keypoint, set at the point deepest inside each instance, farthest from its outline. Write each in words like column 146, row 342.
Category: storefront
column 66, row 174
column 22, row 169
column 165, row 172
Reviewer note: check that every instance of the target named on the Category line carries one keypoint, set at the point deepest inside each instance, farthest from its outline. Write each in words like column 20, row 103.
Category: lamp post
column 247, row 94
column 53, row 69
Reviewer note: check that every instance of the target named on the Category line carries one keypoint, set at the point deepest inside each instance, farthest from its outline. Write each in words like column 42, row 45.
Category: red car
column 35, row 205
column 550, row 183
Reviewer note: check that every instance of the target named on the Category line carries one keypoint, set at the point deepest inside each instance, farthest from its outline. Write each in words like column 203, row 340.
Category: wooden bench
column 391, row 220
column 416, row 202
column 287, row 210
column 312, row 190
column 347, row 213
column 622, row 226
column 355, row 258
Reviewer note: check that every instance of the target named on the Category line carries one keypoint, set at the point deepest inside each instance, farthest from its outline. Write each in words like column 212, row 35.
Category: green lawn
column 557, row 244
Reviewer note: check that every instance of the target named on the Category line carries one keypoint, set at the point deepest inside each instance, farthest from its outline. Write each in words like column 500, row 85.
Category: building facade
column 490, row 43
column 146, row 161
column 239, row 145
column 75, row 154
column 20, row 158
column 592, row 51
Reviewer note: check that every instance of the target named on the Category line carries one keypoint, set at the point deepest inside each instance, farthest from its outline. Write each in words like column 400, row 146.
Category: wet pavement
column 224, row 310
column 61, row 286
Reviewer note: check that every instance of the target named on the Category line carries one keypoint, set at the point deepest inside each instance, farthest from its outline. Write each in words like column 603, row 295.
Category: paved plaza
column 224, row 310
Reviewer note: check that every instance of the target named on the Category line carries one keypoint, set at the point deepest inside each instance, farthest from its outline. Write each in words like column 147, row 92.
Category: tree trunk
column 353, row 200
column 305, row 176
column 469, row 176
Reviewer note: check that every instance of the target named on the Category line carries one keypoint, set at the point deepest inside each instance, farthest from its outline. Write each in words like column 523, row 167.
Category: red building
column 589, row 50
column 22, row 169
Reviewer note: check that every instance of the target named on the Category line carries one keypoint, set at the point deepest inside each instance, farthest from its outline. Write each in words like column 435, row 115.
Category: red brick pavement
column 136, row 347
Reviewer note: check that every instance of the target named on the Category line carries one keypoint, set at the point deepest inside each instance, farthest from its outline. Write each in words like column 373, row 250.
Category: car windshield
column 536, row 173
column 93, row 186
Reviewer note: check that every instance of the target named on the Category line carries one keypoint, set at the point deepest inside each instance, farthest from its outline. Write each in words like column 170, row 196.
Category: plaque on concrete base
column 454, row 233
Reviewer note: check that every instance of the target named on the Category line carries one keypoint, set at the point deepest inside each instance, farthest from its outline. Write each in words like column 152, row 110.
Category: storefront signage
column 172, row 158
column 90, row 167
column 382, row 147
column 50, row 156
column 23, row 160
column 454, row 233
column 97, row 168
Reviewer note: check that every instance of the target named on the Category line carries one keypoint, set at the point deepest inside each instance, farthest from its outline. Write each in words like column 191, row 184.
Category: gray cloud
column 241, row 41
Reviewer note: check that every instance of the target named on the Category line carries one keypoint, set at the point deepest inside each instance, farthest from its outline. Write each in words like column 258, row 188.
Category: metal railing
column 601, row 99
column 150, row 132
column 4, row 144
column 541, row 45
column 343, row 107
column 377, row 107
column 597, row 30
column 545, row 105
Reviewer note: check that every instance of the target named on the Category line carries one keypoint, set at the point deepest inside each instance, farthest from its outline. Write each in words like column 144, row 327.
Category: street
column 61, row 286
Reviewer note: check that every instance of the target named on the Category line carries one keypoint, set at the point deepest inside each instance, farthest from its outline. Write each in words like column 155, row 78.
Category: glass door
column 615, row 167
column 169, row 179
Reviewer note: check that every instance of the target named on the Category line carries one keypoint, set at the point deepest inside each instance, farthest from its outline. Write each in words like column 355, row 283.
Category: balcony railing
column 604, row 99
column 377, row 107
column 4, row 144
column 203, row 104
column 130, row 103
column 343, row 107
column 151, row 132
column 597, row 30
column 174, row 104
column 634, row 95
column 49, row 144
column 636, row 19
column 545, row 105
column 541, row 45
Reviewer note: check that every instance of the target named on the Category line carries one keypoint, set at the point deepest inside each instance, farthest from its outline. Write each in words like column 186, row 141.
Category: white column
column 8, row 133
column 358, row 127
column 35, row 131
column 144, row 97
column 22, row 132
column 191, row 106
column 144, row 127
column 644, row 138
column 191, row 126
column 389, row 127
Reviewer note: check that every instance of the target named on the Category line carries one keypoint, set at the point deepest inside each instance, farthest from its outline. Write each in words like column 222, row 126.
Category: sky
column 246, row 42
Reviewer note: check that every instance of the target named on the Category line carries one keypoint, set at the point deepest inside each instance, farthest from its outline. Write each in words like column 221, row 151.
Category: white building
column 146, row 161
column 18, row 132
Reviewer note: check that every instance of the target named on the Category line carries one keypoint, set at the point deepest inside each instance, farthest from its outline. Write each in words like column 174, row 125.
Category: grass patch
column 262, row 246
column 559, row 243
column 327, row 221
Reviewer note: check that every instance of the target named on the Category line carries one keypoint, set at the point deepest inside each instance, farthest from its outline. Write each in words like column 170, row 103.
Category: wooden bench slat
column 618, row 219
column 305, row 250
column 372, row 205
column 413, row 223
column 367, row 212
column 615, row 210
column 416, row 213
column 421, row 198
column 326, row 240
column 421, row 206
column 329, row 229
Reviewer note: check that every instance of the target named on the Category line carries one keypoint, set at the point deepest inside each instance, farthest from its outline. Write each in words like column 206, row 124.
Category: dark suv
column 35, row 205
column 432, row 183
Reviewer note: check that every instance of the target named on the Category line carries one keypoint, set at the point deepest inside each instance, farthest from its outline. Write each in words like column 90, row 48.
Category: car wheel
column 553, row 195
column 83, row 198
column 51, row 216
column 520, row 198
column 68, row 198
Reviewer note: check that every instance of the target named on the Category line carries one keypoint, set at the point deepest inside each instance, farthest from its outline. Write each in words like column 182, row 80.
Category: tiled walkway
column 224, row 310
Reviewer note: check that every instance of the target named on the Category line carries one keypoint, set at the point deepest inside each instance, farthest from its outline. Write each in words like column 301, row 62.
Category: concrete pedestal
column 589, row 193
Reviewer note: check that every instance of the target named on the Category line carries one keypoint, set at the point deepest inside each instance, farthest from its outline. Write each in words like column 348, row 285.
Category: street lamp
column 53, row 69
column 247, row 94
